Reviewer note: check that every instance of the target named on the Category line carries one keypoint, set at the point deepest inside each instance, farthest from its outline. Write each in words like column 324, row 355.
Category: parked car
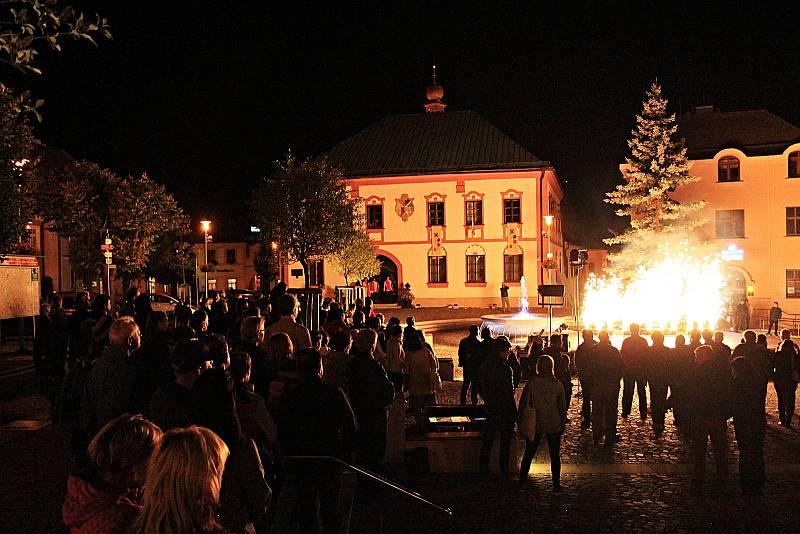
column 68, row 301
column 164, row 303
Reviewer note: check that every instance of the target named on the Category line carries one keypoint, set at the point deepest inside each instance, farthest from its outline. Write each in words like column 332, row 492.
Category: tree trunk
column 306, row 275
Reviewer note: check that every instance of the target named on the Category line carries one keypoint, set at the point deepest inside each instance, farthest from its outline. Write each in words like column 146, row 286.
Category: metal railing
column 390, row 515
column 760, row 320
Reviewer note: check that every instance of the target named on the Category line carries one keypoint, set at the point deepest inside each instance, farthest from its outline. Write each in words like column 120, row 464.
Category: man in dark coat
column 758, row 357
column 174, row 404
column 657, row 371
column 562, row 369
column 709, row 408
column 371, row 392
column 634, row 353
column 775, row 314
column 607, row 370
column 316, row 420
column 467, row 359
column 497, row 390
column 583, row 362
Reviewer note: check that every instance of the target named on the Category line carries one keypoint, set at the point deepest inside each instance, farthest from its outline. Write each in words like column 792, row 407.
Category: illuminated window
column 473, row 212
column 793, row 283
column 437, row 269
column 730, row 224
column 728, row 169
column 316, row 273
column 794, row 165
column 476, row 268
column 512, row 267
column 511, row 210
column 212, row 284
column 230, row 256
column 231, row 283
column 375, row 217
column 435, row 213
column 793, row 220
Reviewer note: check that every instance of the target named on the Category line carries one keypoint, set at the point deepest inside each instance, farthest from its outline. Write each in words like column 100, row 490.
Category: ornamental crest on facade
column 404, row 206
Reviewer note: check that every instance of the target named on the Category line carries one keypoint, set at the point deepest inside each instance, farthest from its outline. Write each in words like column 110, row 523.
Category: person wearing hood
column 105, row 497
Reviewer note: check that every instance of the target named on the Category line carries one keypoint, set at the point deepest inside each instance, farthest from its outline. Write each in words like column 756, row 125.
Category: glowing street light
column 206, row 225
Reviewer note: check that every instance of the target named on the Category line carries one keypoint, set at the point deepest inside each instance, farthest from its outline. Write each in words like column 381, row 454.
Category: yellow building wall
column 408, row 241
column 764, row 192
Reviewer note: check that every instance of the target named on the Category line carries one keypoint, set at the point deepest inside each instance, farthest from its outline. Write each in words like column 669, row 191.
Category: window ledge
column 474, row 284
column 729, row 181
column 512, row 284
column 438, row 284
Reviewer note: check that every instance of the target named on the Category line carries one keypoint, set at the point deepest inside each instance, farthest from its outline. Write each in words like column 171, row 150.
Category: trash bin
column 446, row 368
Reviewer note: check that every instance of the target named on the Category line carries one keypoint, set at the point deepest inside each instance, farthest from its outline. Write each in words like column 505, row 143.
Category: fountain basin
column 518, row 326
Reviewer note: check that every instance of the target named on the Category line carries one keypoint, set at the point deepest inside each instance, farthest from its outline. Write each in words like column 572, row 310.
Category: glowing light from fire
column 681, row 289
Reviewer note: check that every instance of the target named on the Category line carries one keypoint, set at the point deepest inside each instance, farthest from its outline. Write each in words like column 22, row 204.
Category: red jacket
column 88, row 509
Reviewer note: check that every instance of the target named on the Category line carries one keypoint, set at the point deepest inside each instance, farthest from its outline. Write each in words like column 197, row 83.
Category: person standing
column 583, row 362
column 709, row 408
column 396, row 366
column 423, row 379
column 299, row 334
column 657, row 371
column 468, row 358
column 497, row 390
column 758, row 357
column 504, row 297
column 634, row 353
column 750, row 426
column 775, row 314
column 561, row 361
column 785, row 366
column 607, row 371
column 545, row 394
column 388, row 289
column 683, row 364
column 721, row 350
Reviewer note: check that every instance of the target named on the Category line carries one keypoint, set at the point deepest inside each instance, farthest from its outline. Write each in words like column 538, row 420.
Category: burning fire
column 679, row 288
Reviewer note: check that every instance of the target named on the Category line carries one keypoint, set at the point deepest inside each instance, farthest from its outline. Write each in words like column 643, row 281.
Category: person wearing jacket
column 546, row 394
column 757, row 355
column 607, row 370
column 467, row 359
column 497, row 390
column 583, row 362
column 657, row 372
column 750, row 425
column 106, row 496
column 785, row 365
column 422, row 373
column 634, row 353
column 371, row 392
column 709, row 408
column 563, row 371
column 396, row 365
column 682, row 367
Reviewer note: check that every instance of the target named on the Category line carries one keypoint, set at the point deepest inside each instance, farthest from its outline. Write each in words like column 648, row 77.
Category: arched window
column 728, row 169
column 476, row 265
column 794, row 165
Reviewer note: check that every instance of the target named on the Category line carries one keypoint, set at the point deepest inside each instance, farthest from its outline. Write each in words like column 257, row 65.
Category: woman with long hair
column 184, row 477
column 423, row 379
column 545, row 394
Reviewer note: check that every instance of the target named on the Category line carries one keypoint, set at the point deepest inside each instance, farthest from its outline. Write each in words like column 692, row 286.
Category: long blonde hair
column 181, row 492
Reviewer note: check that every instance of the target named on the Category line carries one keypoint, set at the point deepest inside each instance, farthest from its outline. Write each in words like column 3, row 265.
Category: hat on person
column 189, row 356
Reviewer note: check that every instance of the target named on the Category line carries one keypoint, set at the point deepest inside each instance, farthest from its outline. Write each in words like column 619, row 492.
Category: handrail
column 413, row 494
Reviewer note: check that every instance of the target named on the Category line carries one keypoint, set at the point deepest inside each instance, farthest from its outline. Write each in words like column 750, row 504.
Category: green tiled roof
column 453, row 141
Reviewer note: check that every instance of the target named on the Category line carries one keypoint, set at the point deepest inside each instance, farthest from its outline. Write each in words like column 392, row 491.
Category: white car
column 163, row 303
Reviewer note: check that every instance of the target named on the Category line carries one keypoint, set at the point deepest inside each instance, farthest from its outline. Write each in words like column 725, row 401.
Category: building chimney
column 435, row 93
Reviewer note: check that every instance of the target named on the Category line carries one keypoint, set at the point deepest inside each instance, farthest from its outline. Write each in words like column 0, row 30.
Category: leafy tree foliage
column 306, row 208
column 656, row 167
column 16, row 147
column 83, row 201
column 172, row 260
column 357, row 259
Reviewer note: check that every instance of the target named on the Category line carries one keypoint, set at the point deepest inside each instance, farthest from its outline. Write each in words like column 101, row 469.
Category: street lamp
column 548, row 221
column 206, row 225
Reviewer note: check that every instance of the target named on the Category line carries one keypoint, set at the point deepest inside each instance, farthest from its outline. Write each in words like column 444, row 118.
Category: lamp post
column 206, row 225
column 548, row 221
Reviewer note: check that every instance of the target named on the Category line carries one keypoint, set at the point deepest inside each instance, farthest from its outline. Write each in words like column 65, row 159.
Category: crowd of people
column 203, row 421
column 704, row 382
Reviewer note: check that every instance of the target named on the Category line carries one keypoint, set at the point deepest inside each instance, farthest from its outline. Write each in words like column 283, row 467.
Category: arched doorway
column 389, row 269
column 735, row 290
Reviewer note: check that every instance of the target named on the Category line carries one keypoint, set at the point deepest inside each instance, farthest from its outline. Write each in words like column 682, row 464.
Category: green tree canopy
column 357, row 259
column 16, row 148
column 306, row 208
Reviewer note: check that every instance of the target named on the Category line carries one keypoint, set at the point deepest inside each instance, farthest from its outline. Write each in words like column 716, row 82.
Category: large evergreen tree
column 656, row 167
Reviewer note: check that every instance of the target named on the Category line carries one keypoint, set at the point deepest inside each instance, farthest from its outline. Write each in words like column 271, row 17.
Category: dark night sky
column 205, row 95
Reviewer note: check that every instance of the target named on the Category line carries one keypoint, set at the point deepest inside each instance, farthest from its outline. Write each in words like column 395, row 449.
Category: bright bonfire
column 663, row 276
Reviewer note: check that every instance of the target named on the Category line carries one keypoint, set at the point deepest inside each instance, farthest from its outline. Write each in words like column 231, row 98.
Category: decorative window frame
column 432, row 198
column 518, row 251
column 474, row 250
column 729, row 157
column 796, row 155
column 442, row 254
column 510, row 194
column 376, row 234
column 474, row 232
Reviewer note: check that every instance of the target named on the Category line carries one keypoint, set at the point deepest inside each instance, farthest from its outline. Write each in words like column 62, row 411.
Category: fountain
column 518, row 326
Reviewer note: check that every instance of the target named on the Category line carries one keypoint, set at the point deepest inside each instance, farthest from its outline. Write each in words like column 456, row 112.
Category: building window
column 437, row 269
column 793, row 283
column 212, row 256
column 316, row 273
column 793, row 220
column 230, row 256
column 212, row 284
column 476, row 269
column 511, row 210
column 231, row 283
column 728, row 169
column 375, row 217
column 512, row 267
column 435, row 213
column 730, row 224
column 794, row 165
column 473, row 212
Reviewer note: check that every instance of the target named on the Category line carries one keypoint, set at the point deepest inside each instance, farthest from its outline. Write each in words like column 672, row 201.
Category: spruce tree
column 656, row 167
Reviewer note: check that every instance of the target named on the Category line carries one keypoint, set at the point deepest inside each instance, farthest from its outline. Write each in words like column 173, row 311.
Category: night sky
column 205, row 95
